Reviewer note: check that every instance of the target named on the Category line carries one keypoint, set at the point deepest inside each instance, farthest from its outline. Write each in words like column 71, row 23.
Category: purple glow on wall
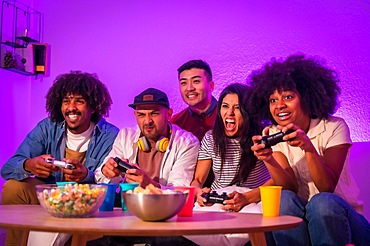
column 132, row 45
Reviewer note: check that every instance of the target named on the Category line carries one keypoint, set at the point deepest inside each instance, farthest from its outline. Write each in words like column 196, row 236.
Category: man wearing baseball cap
column 165, row 154
column 151, row 96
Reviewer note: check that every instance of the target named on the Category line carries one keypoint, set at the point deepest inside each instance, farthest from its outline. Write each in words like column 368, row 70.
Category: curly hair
column 196, row 64
column 316, row 84
column 250, row 128
column 76, row 82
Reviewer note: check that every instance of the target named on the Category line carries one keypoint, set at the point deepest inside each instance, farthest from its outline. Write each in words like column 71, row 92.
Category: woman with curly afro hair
column 298, row 96
column 74, row 132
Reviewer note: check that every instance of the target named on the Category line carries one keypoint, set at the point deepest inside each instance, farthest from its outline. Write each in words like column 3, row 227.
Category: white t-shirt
column 80, row 142
column 323, row 134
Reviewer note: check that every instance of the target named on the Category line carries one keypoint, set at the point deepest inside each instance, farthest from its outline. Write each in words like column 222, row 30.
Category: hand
column 110, row 169
column 141, row 177
column 77, row 174
column 238, row 200
column 298, row 138
column 200, row 192
column 260, row 150
column 39, row 167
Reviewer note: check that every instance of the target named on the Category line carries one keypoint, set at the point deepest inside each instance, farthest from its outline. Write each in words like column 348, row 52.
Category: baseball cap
column 151, row 96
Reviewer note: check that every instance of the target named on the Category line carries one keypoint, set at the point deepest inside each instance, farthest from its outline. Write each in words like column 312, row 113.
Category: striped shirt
column 258, row 176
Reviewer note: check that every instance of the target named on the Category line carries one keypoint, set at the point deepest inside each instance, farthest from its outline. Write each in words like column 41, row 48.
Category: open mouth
column 283, row 116
column 73, row 116
column 230, row 124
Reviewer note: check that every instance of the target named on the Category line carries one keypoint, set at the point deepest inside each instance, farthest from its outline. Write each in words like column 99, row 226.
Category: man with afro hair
column 74, row 132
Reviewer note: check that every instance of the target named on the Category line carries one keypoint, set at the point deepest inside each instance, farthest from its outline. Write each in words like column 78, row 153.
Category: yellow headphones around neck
column 161, row 145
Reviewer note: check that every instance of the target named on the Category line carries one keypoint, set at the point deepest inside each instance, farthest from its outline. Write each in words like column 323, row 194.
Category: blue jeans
column 327, row 220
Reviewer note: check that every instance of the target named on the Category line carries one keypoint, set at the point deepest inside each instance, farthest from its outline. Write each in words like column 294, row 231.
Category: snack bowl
column 71, row 200
column 155, row 207
column 62, row 184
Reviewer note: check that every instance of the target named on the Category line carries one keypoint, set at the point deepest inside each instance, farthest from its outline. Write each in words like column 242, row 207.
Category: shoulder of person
column 335, row 124
column 335, row 120
column 209, row 133
column 129, row 131
column 208, row 136
column 327, row 125
column 180, row 133
column 106, row 126
column 176, row 116
column 48, row 123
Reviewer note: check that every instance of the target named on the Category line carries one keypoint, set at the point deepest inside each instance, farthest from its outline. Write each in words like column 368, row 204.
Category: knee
column 325, row 204
column 11, row 187
column 15, row 192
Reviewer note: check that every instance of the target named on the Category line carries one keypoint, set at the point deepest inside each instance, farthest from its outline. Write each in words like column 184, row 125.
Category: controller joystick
column 274, row 139
column 214, row 197
column 60, row 164
column 122, row 165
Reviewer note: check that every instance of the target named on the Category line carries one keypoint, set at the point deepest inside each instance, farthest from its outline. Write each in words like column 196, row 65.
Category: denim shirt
column 49, row 137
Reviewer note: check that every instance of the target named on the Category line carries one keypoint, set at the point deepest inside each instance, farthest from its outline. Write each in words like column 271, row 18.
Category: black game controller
column 213, row 197
column 273, row 139
column 122, row 165
column 60, row 164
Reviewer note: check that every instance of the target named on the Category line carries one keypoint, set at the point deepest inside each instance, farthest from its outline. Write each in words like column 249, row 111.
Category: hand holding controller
column 274, row 139
column 122, row 165
column 60, row 164
column 213, row 197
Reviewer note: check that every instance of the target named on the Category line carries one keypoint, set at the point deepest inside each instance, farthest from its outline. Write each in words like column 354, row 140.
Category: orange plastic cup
column 270, row 197
column 187, row 210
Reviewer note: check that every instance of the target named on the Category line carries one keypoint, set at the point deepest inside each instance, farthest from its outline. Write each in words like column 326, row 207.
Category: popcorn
column 149, row 189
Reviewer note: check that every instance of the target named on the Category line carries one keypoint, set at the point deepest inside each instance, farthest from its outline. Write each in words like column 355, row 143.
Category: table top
column 118, row 222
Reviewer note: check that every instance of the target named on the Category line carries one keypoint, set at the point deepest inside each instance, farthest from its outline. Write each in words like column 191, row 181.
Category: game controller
column 60, row 164
column 122, row 165
column 214, row 197
column 274, row 139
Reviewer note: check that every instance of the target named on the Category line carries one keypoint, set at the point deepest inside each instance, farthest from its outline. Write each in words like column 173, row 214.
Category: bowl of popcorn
column 71, row 200
column 153, row 204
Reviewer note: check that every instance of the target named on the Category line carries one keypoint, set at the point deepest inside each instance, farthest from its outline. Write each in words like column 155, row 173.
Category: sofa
column 360, row 162
column 359, row 159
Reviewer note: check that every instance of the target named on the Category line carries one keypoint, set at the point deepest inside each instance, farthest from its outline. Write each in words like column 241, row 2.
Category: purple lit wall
column 133, row 45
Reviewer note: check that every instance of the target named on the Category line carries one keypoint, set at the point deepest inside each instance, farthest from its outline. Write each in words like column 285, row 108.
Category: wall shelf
column 14, row 45
column 16, row 70
column 20, row 30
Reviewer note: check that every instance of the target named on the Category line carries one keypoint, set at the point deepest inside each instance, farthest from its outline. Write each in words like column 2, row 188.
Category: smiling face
column 77, row 113
column 231, row 115
column 152, row 120
column 195, row 89
column 285, row 108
